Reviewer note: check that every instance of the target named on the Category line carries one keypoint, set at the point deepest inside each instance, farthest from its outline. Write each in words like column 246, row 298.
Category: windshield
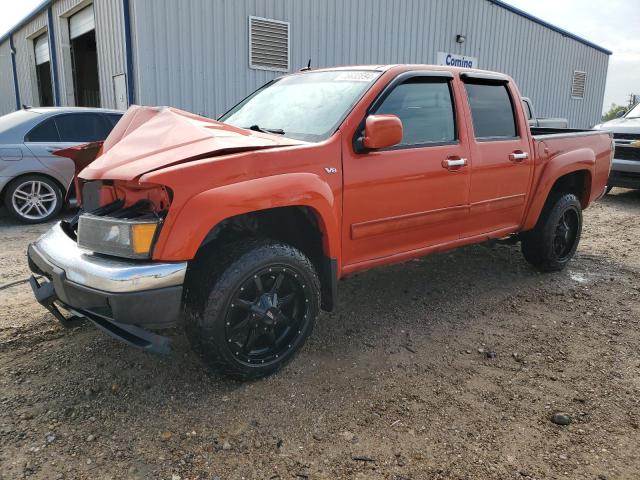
column 307, row 106
column 634, row 113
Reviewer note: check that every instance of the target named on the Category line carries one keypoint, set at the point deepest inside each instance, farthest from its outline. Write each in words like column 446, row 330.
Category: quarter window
column 425, row 108
column 44, row 132
column 492, row 110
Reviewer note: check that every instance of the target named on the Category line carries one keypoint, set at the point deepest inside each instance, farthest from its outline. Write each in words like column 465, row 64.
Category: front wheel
column 254, row 308
column 554, row 239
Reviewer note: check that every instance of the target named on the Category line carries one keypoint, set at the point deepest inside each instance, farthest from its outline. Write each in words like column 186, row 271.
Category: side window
column 425, row 107
column 492, row 110
column 82, row 127
column 113, row 118
column 44, row 132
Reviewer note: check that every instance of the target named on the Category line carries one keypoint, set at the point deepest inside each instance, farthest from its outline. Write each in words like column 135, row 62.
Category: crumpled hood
column 151, row 138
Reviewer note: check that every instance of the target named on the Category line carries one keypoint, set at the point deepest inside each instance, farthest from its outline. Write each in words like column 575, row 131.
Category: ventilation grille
column 268, row 44
column 578, row 83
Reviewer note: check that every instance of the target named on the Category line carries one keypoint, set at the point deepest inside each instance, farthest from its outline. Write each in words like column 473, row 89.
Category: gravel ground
column 451, row 366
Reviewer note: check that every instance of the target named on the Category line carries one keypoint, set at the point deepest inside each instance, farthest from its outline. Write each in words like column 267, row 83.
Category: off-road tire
column 538, row 244
column 212, row 283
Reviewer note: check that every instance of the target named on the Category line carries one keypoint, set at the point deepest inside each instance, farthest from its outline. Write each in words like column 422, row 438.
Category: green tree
column 613, row 112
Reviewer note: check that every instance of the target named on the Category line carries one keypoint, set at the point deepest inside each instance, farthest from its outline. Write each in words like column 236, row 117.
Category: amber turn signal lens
column 142, row 237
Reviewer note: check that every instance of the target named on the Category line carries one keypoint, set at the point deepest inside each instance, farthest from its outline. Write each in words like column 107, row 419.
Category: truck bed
column 539, row 131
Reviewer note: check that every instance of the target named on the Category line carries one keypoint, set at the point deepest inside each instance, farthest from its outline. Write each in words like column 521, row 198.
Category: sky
column 612, row 24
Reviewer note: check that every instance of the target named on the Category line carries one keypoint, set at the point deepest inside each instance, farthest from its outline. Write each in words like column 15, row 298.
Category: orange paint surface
column 376, row 207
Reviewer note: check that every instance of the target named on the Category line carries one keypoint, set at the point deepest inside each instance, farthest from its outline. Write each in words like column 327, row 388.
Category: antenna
column 308, row 67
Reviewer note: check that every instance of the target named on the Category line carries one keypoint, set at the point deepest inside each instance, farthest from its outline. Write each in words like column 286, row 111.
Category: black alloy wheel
column 267, row 314
column 553, row 241
column 250, row 306
column 566, row 233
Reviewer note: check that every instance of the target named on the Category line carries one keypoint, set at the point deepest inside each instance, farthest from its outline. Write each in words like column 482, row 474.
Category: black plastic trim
column 484, row 77
column 329, row 284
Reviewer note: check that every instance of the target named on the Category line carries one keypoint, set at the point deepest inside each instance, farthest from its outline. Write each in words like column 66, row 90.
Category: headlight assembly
column 129, row 238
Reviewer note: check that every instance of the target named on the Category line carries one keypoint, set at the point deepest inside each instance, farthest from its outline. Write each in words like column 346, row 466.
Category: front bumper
column 624, row 173
column 119, row 296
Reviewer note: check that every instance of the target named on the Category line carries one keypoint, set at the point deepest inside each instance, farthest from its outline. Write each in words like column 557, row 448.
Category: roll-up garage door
column 42, row 49
column 82, row 22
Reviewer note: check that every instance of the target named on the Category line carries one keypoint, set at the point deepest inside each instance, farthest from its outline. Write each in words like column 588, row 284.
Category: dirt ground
column 448, row 367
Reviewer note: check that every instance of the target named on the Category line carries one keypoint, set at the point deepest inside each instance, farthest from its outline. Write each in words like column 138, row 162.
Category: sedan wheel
column 33, row 199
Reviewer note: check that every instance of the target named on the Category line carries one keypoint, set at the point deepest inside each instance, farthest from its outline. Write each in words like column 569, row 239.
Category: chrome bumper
column 624, row 165
column 107, row 274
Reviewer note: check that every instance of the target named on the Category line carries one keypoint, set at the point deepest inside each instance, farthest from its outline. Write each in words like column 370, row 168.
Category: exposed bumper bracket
column 130, row 334
column 46, row 296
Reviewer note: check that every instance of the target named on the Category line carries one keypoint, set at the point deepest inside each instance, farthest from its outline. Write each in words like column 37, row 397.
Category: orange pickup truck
column 238, row 230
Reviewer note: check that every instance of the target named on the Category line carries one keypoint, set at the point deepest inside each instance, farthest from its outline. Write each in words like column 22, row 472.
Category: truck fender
column 555, row 167
column 185, row 230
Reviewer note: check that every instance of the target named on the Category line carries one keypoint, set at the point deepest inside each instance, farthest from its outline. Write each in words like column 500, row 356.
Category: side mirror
column 382, row 131
column 621, row 113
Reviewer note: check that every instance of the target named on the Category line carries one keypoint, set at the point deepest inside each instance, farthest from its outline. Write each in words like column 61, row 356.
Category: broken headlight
column 120, row 237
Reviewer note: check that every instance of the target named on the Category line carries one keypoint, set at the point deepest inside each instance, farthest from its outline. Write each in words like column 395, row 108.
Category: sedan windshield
column 307, row 106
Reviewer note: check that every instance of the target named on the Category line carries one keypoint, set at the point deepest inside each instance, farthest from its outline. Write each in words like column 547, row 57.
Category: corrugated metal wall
column 194, row 55
column 25, row 58
column 109, row 20
column 110, row 43
column 7, row 92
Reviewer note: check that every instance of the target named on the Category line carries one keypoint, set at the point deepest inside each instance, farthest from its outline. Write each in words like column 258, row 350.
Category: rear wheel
column 33, row 199
column 554, row 239
column 255, row 309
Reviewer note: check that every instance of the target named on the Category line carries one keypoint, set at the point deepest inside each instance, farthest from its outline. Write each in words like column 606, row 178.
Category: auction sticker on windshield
column 356, row 77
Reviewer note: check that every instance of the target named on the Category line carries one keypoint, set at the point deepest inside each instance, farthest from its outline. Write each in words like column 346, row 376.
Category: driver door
column 413, row 195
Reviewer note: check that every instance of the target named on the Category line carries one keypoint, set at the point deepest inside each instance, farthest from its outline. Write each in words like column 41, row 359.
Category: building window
column 578, row 84
column 268, row 44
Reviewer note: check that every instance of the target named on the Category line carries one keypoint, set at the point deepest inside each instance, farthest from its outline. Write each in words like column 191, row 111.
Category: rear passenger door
column 501, row 165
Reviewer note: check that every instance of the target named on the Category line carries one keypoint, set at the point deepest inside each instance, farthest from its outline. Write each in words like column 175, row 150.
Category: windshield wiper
column 257, row 128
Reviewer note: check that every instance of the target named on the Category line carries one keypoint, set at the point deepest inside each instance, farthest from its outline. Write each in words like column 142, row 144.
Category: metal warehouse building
column 205, row 55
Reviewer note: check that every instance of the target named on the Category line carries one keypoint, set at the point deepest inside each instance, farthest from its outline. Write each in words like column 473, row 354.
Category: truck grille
column 627, row 153
column 627, row 136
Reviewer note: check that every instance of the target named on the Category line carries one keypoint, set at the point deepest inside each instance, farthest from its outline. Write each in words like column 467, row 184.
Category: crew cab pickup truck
column 238, row 230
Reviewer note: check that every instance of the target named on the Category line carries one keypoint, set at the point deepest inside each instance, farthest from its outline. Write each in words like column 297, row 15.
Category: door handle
column 518, row 156
column 454, row 163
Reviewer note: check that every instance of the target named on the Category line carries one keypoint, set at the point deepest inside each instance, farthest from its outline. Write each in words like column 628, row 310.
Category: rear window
column 491, row 110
